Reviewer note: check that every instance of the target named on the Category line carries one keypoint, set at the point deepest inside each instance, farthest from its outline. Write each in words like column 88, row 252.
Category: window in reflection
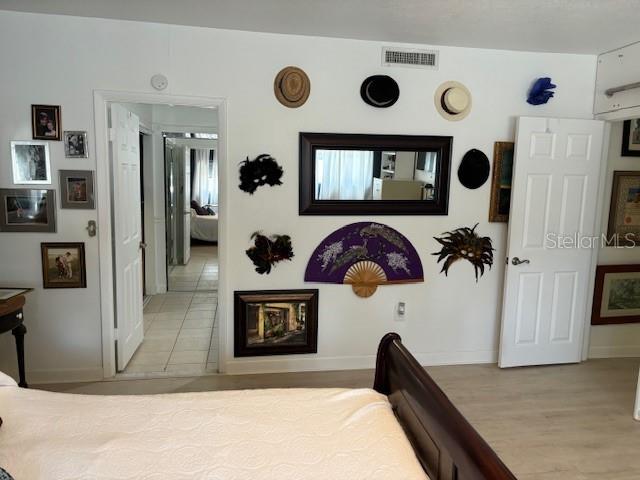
column 374, row 175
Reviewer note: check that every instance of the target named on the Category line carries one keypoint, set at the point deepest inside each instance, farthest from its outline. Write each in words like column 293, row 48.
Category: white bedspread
column 303, row 434
column 204, row 227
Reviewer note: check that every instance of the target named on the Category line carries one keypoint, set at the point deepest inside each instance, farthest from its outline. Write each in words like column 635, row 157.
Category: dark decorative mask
column 267, row 251
column 262, row 170
column 465, row 244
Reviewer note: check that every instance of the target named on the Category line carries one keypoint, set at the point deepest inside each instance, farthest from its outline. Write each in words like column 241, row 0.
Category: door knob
column 517, row 261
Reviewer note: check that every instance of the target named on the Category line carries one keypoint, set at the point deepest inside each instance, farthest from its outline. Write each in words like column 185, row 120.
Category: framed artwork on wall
column 63, row 265
column 24, row 210
column 616, row 297
column 501, row 181
column 30, row 163
column 76, row 189
column 631, row 138
column 624, row 213
column 75, row 144
column 275, row 322
column 45, row 122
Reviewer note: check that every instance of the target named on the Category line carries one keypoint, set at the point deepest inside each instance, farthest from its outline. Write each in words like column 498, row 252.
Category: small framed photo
column 30, row 162
column 63, row 265
column 631, row 138
column 76, row 189
column 616, row 297
column 24, row 210
column 275, row 322
column 45, row 122
column 624, row 213
column 501, row 181
column 75, row 144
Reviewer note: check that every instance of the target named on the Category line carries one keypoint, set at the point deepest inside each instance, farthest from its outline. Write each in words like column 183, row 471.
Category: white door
column 553, row 203
column 127, row 233
column 186, row 202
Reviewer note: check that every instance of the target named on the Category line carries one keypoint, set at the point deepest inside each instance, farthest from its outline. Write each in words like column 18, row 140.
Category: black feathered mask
column 262, row 170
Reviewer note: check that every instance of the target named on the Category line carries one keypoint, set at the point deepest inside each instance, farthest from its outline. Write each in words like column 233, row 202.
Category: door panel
column 553, row 204
column 127, row 233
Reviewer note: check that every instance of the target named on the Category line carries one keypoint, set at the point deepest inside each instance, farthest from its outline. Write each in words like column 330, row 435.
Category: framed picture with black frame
column 631, row 138
column 45, row 122
column 275, row 322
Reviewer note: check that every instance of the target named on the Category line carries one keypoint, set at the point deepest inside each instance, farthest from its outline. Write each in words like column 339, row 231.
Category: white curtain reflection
column 205, row 177
column 344, row 175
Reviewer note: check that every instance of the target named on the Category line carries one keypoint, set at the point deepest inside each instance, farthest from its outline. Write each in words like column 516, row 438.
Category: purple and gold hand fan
column 364, row 255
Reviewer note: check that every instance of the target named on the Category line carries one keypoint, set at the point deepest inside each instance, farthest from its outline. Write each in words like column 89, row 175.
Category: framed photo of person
column 45, row 122
column 30, row 162
column 76, row 189
column 75, row 144
column 631, row 138
column 275, row 322
column 501, row 181
column 24, row 210
column 616, row 297
column 63, row 265
column 624, row 213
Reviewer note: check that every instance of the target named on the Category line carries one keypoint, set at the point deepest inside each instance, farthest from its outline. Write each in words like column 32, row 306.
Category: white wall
column 450, row 319
column 615, row 340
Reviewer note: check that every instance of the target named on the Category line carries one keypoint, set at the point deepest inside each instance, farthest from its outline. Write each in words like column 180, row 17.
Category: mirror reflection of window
column 375, row 175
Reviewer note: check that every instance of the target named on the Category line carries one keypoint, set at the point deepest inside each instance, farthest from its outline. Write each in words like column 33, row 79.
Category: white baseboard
column 614, row 352
column 311, row 364
column 65, row 376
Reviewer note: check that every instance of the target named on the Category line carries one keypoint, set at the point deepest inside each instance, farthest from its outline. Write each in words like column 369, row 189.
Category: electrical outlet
column 401, row 311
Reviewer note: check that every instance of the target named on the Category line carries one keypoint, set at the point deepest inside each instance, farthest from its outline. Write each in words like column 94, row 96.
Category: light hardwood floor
column 569, row 422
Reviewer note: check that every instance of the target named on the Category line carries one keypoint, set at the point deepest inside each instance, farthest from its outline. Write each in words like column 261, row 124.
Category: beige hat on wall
column 292, row 87
column 453, row 100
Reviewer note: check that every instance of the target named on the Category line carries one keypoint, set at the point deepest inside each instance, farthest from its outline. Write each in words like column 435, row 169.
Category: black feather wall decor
column 267, row 251
column 262, row 170
column 465, row 244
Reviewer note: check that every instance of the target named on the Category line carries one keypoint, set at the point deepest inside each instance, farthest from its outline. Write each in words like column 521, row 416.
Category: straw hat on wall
column 453, row 101
column 292, row 87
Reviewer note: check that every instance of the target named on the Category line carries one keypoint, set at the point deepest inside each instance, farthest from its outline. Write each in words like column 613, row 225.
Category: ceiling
column 570, row 26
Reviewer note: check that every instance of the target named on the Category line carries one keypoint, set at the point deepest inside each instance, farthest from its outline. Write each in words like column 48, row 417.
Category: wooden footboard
column 446, row 445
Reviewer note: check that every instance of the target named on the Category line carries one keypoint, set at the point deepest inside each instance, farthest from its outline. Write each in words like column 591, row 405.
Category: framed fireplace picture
column 616, row 297
column 275, row 322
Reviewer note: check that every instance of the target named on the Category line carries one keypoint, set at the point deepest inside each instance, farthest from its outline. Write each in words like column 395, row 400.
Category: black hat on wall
column 380, row 91
column 474, row 169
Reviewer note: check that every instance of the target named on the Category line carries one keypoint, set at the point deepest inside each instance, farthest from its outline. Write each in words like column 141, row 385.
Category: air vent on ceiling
column 407, row 57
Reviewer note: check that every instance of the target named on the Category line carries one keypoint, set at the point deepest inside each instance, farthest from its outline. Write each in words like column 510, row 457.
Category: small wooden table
column 11, row 319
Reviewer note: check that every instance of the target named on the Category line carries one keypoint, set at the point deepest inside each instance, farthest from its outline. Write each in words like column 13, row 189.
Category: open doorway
column 165, row 320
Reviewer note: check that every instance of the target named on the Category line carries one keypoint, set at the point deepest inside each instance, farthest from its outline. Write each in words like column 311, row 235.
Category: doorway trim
column 101, row 101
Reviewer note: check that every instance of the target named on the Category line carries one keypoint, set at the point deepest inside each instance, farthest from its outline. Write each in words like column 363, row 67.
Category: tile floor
column 200, row 274
column 181, row 329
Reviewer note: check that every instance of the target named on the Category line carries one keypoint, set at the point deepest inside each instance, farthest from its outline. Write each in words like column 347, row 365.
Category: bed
column 404, row 428
column 204, row 227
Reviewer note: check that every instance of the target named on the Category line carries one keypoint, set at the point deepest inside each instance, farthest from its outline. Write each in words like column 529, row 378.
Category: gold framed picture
column 624, row 213
column 45, row 122
column 501, row 181
column 631, row 138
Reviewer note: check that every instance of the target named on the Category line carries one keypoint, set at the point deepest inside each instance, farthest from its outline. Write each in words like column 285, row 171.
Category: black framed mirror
column 357, row 174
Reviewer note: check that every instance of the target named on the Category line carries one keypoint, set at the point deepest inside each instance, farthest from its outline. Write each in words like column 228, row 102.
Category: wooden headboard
column 446, row 444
